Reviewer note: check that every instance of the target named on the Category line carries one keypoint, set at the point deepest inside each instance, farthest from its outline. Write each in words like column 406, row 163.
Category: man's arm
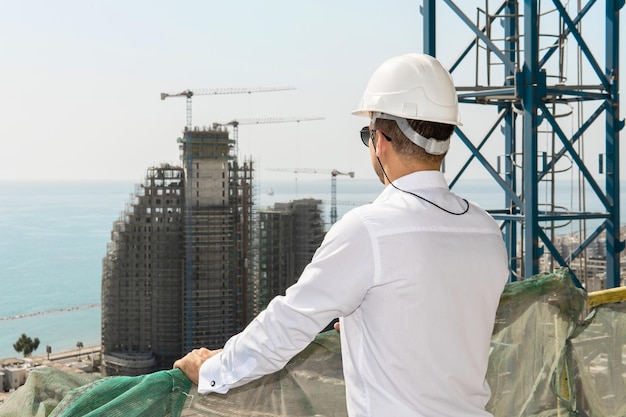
column 332, row 285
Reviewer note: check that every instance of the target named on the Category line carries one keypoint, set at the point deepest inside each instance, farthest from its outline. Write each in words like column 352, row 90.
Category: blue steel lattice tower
column 517, row 52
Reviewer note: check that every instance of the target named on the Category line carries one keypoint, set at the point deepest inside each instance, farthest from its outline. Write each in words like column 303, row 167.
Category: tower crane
column 236, row 122
column 215, row 91
column 333, row 184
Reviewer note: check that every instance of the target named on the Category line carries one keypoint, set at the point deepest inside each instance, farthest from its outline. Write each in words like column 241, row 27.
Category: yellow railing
column 611, row 295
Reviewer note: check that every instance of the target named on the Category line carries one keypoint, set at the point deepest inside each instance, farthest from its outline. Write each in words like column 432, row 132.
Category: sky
column 81, row 80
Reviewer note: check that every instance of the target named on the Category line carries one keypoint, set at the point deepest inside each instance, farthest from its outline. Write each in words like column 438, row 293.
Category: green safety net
column 547, row 360
column 310, row 385
column 42, row 392
column 535, row 319
column 599, row 356
column 158, row 394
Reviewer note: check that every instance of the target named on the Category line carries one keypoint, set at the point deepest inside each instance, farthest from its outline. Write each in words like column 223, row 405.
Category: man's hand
column 191, row 363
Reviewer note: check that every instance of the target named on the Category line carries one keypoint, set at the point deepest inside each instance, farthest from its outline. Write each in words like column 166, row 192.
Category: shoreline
column 59, row 356
column 60, row 330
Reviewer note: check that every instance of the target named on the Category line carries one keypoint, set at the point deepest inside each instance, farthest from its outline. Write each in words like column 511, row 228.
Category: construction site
column 192, row 260
column 189, row 264
column 192, row 242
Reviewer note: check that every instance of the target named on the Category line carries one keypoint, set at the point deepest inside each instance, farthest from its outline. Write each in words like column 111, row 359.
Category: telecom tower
column 555, row 98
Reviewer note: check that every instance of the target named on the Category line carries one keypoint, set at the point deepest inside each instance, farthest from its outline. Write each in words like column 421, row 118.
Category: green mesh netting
column 545, row 361
column 599, row 357
column 535, row 319
column 158, row 394
column 42, row 392
column 310, row 385
column 54, row 393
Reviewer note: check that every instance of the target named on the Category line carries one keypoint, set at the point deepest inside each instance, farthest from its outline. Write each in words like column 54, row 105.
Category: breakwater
column 43, row 313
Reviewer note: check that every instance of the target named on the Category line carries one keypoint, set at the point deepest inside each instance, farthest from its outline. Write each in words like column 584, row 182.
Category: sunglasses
column 367, row 134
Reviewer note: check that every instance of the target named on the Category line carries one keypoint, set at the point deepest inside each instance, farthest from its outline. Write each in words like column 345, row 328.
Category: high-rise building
column 218, row 218
column 175, row 276
column 141, row 278
column 288, row 236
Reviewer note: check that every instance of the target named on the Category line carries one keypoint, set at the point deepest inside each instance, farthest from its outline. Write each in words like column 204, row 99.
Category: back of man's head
column 412, row 98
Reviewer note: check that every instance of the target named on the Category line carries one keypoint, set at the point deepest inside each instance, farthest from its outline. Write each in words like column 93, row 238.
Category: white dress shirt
column 416, row 290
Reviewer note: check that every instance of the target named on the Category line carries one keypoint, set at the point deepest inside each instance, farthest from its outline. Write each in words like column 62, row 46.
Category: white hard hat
column 412, row 86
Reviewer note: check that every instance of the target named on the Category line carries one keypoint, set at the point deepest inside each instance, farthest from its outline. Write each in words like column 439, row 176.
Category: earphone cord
column 434, row 204
column 422, row 198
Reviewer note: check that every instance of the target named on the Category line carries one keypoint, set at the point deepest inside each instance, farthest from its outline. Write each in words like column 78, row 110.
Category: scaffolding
column 289, row 235
column 141, row 281
column 218, row 211
column 181, row 268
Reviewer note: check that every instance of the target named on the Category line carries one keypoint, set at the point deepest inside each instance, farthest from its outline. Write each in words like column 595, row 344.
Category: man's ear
column 381, row 143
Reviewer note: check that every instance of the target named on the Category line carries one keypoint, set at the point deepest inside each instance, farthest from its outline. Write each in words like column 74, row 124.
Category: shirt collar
column 416, row 181
column 422, row 179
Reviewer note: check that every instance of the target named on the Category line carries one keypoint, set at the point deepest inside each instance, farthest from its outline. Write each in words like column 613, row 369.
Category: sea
column 54, row 235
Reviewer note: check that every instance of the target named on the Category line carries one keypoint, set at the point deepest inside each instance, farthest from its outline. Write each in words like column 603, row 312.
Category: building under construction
column 175, row 276
column 289, row 234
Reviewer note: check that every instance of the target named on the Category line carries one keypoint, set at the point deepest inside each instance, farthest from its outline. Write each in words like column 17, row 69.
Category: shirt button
column 212, row 383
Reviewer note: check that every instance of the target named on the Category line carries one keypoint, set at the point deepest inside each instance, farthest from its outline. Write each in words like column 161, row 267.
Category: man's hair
column 405, row 147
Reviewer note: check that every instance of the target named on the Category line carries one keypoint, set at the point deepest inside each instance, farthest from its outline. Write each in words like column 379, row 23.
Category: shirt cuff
column 210, row 379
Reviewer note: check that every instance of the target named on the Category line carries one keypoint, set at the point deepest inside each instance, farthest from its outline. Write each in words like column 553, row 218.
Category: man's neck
column 395, row 171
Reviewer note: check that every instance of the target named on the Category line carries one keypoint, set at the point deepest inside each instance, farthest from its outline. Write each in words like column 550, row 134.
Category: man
column 415, row 277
